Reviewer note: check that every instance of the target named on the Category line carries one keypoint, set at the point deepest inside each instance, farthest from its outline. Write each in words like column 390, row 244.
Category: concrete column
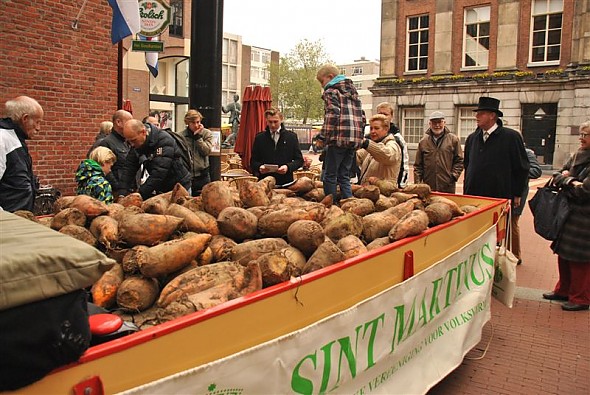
column 508, row 33
column 443, row 37
column 581, row 33
column 389, row 40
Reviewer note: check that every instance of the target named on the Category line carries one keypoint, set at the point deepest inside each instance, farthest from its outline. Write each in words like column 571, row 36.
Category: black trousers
column 198, row 182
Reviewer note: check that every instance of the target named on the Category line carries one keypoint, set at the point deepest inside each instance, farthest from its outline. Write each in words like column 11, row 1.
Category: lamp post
column 205, row 68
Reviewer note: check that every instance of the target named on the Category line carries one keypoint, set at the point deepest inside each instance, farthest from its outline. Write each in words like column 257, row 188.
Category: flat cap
column 437, row 115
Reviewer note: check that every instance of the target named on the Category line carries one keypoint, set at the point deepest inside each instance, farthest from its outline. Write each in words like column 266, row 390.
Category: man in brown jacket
column 439, row 158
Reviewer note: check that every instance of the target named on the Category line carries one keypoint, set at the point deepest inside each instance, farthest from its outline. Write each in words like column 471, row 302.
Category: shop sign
column 154, row 17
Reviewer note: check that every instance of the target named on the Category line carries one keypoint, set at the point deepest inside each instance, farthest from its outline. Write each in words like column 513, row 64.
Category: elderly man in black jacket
column 496, row 163
column 18, row 184
column 115, row 141
column 276, row 146
column 162, row 166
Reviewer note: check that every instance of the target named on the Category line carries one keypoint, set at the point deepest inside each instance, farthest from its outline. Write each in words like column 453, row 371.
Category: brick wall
column 72, row 73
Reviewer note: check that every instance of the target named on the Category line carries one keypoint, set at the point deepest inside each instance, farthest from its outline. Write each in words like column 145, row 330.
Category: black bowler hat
column 489, row 104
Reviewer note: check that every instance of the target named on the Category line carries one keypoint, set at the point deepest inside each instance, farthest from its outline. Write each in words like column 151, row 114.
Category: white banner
column 403, row 340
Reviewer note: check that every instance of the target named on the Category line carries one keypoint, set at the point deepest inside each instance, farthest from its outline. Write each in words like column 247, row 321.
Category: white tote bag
column 505, row 271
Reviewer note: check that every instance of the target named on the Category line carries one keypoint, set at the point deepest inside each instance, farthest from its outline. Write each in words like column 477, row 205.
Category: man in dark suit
column 496, row 163
column 276, row 146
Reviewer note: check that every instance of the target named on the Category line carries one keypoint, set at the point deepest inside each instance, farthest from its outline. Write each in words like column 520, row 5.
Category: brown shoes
column 554, row 296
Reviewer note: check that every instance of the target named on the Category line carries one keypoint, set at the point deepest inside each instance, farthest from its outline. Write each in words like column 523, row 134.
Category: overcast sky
column 348, row 29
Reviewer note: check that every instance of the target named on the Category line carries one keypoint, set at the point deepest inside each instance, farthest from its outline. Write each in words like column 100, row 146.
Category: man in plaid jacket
column 342, row 131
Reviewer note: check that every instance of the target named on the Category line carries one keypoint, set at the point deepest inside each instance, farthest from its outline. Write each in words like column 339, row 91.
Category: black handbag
column 550, row 210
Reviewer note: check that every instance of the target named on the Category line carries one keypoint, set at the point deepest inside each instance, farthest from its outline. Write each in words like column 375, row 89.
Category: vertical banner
column 402, row 340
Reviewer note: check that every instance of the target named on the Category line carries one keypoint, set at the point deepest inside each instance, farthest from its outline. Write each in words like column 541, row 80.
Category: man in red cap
column 496, row 163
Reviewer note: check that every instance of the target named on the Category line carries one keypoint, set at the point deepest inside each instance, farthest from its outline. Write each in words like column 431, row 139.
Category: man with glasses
column 439, row 158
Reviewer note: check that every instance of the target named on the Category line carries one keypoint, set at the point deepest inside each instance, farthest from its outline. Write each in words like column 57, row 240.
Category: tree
column 294, row 84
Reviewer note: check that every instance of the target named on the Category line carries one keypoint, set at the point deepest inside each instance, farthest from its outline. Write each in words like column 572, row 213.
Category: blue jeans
column 337, row 166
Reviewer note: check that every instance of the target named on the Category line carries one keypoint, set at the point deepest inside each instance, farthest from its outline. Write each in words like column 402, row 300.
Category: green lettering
column 449, row 282
column 299, row 384
column 477, row 262
column 327, row 350
column 373, row 333
column 488, row 256
column 423, row 311
column 400, row 329
column 434, row 307
column 461, row 277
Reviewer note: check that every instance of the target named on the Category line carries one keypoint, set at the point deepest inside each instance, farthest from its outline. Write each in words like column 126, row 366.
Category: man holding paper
column 276, row 151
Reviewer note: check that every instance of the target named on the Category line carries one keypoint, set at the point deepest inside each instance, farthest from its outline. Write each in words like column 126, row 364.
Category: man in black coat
column 276, row 146
column 115, row 141
column 163, row 166
column 496, row 163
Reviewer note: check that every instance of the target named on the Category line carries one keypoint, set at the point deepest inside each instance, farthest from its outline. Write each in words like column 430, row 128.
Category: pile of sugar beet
column 178, row 254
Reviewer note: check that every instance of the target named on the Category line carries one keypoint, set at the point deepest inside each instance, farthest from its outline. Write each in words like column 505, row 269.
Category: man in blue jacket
column 17, row 181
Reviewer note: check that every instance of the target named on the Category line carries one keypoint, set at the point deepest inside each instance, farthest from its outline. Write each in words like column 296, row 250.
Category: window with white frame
column 265, row 57
column 417, row 43
column 476, row 37
column 357, row 70
column 232, row 82
column 547, row 16
column 343, row 71
column 358, row 85
column 466, row 122
column 412, row 124
column 232, row 56
column 176, row 19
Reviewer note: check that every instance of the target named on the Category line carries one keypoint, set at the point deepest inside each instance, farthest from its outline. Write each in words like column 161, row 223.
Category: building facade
column 70, row 68
column 363, row 74
column 533, row 55
column 167, row 93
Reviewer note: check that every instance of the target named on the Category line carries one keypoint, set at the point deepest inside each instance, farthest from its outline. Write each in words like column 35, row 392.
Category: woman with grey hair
column 571, row 247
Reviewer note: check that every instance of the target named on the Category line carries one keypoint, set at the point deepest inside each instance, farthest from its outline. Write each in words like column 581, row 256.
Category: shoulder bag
column 550, row 210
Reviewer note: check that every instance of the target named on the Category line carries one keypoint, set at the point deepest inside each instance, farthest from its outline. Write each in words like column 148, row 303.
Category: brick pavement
column 535, row 347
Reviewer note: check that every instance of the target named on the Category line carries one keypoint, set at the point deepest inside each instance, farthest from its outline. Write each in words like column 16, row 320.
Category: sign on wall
column 154, row 17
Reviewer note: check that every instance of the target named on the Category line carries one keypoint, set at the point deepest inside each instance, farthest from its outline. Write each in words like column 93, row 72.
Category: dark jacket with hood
column 17, row 181
column 286, row 152
column 116, row 143
column 161, row 158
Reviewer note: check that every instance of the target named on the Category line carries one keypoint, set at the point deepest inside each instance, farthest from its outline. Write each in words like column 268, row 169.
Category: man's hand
column 282, row 169
column 516, row 202
column 199, row 129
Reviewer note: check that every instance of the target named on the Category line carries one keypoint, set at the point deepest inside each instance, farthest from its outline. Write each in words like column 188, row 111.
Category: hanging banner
column 402, row 340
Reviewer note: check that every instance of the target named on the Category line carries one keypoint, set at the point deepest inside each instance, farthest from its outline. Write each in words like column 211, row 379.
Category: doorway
column 539, row 124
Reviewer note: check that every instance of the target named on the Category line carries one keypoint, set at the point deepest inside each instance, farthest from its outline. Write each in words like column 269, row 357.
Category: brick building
column 533, row 55
column 71, row 72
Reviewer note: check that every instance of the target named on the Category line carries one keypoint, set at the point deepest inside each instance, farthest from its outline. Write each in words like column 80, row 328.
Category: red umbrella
column 127, row 106
column 255, row 101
